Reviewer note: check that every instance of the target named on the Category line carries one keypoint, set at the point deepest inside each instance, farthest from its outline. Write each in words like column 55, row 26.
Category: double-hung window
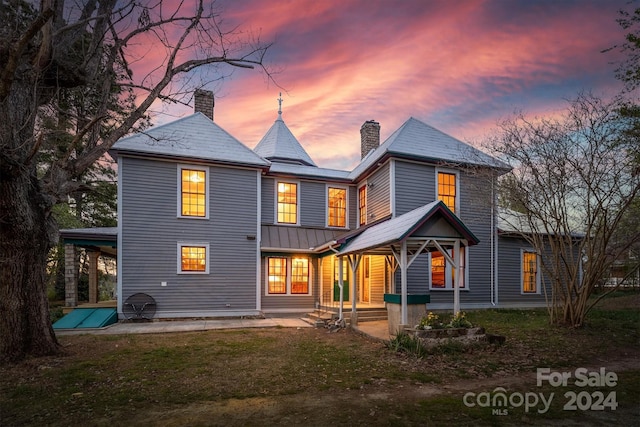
column 530, row 272
column 287, row 276
column 447, row 190
column 362, row 205
column 287, row 201
column 443, row 275
column 193, row 258
column 193, row 192
column 336, row 207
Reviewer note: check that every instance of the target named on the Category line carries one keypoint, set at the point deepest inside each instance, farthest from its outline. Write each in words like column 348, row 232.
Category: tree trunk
column 25, row 325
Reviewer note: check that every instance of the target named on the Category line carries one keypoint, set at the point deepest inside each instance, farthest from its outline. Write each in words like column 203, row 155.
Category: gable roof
column 191, row 137
column 280, row 144
column 397, row 229
column 417, row 140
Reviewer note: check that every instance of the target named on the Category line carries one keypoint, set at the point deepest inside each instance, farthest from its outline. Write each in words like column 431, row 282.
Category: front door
column 336, row 279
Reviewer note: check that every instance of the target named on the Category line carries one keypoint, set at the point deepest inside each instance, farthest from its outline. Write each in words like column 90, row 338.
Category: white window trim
column 275, row 213
column 538, row 275
column 289, row 276
column 457, row 174
column 448, row 274
column 190, row 244
column 346, row 212
column 205, row 169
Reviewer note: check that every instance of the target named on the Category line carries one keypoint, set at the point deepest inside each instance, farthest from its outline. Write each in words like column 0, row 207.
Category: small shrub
column 460, row 321
column 430, row 321
column 55, row 314
column 405, row 343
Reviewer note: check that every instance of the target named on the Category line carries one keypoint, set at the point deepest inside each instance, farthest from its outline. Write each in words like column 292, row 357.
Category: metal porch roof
column 434, row 221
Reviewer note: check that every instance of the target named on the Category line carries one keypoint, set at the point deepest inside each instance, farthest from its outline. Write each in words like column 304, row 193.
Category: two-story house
column 209, row 227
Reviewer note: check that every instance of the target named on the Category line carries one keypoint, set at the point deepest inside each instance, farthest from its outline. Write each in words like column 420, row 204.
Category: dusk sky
column 459, row 66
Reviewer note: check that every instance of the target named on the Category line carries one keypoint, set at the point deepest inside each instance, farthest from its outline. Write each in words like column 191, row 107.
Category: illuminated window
column 288, row 276
column 362, row 204
column 337, row 207
column 447, row 189
column 193, row 258
column 193, row 192
column 277, row 275
column 300, row 276
column 442, row 272
column 287, row 203
column 530, row 276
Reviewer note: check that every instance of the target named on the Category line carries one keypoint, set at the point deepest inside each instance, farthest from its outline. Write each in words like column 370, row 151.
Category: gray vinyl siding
column 379, row 194
column 378, row 274
column 292, row 303
column 510, row 275
column 268, row 200
column 414, row 186
column 312, row 203
column 151, row 232
column 353, row 207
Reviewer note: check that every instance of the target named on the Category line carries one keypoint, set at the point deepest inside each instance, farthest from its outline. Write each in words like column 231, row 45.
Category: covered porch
column 98, row 242
column 399, row 241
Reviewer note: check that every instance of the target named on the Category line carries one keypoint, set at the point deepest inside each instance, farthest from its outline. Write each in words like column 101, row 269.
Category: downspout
column 493, row 243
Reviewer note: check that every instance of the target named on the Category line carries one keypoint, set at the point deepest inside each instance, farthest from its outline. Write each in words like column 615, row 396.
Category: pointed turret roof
column 279, row 144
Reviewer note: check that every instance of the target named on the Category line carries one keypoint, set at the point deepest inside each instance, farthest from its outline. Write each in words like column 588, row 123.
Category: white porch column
column 458, row 278
column 354, row 261
column 403, row 280
column 340, row 287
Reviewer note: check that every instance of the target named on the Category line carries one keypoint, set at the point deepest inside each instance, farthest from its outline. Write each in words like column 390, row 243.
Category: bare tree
column 573, row 181
column 96, row 52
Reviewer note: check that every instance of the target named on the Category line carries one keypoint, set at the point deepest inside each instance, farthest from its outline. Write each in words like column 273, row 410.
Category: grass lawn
column 312, row 377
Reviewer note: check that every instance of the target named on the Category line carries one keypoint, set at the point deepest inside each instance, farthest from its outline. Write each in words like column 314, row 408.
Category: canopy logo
column 500, row 401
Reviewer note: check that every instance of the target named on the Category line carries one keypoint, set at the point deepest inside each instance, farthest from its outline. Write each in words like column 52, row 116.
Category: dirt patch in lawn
column 312, row 377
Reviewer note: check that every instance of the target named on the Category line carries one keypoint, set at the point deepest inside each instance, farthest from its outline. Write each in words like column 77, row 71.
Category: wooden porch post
column 93, row 276
column 403, row 280
column 457, row 281
column 340, row 287
column 354, row 260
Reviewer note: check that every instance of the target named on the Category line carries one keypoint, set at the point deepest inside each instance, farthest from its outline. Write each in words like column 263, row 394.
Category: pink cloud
column 457, row 66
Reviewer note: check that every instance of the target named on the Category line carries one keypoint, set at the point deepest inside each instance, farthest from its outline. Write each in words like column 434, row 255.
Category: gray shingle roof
column 418, row 140
column 310, row 171
column 191, row 137
column 280, row 144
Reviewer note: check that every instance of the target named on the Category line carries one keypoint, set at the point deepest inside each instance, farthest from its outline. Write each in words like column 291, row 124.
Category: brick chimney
column 203, row 102
column 369, row 137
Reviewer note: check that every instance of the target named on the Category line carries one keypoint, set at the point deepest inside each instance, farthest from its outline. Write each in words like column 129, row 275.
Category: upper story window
column 530, row 273
column 336, row 207
column 362, row 205
column 287, row 203
column 443, row 275
column 193, row 258
column 447, row 190
column 193, row 192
